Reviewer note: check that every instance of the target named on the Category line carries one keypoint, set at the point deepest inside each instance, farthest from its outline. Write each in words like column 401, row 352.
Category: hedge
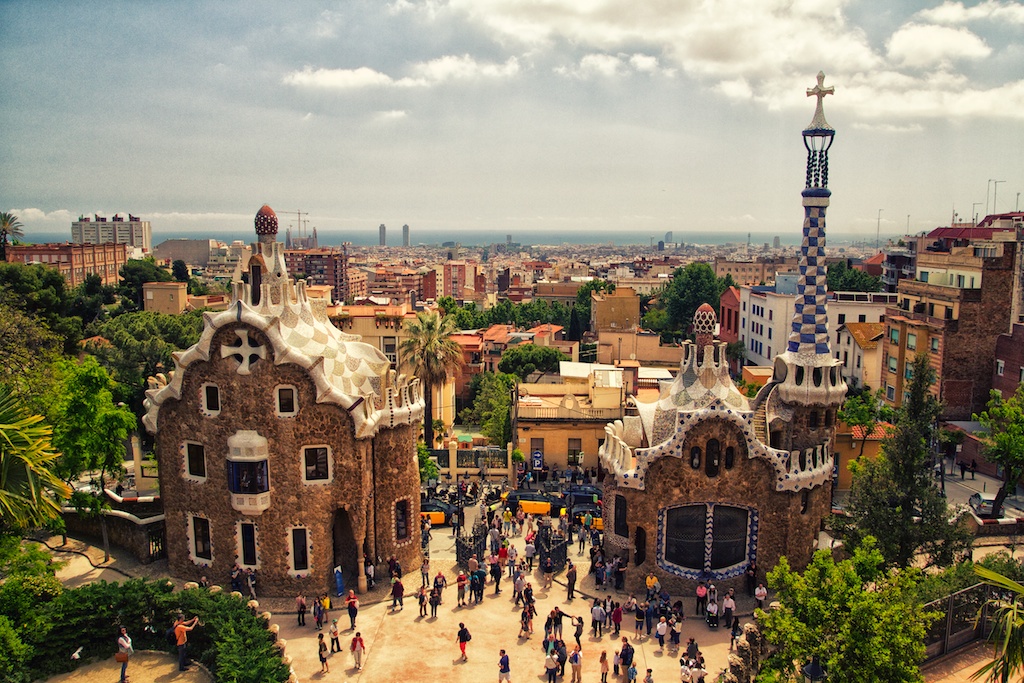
column 42, row 628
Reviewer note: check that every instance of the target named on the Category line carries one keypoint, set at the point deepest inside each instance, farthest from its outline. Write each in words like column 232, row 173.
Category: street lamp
column 814, row 672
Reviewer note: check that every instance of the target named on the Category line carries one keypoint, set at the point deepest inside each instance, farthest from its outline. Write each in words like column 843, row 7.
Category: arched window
column 730, row 457
column 711, row 458
column 812, row 419
column 695, row 457
column 805, row 499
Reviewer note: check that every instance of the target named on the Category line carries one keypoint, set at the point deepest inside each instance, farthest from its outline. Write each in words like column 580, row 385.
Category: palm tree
column 10, row 228
column 433, row 356
column 1007, row 628
column 28, row 489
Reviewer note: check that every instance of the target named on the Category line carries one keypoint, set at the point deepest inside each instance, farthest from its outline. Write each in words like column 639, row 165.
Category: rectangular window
column 402, row 520
column 248, row 534
column 911, row 342
column 892, row 363
column 201, row 537
column 286, row 401
column 1000, row 367
column 935, row 344
column 858, row 361
column 621, row 528
column 248, row 477
column 1020, row 375
column 924, row 276
column 316, row 463
column 862, row 318
column 211, row 398
column 890, row 392
column 300, row 550
column 196, row 456
column 894, row 335
column 574, row 450
column 842, row 318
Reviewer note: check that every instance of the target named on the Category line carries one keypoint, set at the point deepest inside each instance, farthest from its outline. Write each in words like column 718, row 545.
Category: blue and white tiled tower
column 807, row 373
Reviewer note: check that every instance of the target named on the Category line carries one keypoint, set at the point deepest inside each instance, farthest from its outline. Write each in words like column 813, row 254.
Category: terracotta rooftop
column 880, row 431
column 866, row 335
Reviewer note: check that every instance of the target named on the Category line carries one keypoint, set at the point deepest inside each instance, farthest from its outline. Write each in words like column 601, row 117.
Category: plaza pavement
column 404, row 647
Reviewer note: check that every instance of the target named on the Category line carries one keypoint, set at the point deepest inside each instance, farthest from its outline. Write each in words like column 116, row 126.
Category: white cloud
column 387, row 116
column 338, row 79
column 889, row 127
column 33, row 215
column 918, row 45
column 737, row 89
column 434, row 72
column 601, row 65
column 957, row 13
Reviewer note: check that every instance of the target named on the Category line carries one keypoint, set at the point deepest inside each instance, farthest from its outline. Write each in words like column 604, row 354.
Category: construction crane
column 300, row 221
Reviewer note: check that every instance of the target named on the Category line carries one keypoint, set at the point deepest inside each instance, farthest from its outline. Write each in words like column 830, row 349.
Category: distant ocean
column 477, row 237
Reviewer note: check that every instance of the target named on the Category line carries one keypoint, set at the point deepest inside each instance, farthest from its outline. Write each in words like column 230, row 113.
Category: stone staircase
column 761, row 423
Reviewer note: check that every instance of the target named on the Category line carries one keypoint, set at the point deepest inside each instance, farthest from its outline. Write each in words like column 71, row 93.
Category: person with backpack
column 576, row 662
column 463, row 637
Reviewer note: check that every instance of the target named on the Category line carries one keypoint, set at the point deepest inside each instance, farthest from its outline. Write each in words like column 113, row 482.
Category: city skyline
column 504, row 116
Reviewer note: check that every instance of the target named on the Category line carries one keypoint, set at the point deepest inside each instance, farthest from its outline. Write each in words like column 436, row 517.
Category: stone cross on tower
column 819, row 91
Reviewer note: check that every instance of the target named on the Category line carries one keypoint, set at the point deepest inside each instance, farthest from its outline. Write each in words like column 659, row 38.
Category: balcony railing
column 563, row 413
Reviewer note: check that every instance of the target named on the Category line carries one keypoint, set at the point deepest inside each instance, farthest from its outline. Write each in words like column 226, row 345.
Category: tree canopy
column 525, row 359
column 10, row 230
column 491, row 406
column 842, row 278
column 136, row 273
column 893, row 497
column 863, row 623
column 689, row 287
column 862, row 410
column 1003, row 436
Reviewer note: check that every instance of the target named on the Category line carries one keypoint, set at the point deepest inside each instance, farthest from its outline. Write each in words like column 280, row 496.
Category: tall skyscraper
column 405, row 235
column 668, row 237
column 383, row 235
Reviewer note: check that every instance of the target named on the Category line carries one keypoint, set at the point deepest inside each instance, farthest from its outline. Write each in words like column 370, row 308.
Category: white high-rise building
column 135, row 232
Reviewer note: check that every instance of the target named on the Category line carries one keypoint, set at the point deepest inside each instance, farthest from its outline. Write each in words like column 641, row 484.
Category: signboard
column 538, row 460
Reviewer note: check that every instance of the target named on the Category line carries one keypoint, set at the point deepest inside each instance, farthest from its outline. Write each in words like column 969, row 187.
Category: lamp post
column 995, row 193
column 974, row 214
column 814, row 672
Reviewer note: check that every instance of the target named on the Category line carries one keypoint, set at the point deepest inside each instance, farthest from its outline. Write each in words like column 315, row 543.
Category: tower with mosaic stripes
column 806, row 373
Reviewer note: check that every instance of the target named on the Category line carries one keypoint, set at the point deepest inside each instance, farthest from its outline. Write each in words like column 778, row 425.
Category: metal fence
column 555, row 546
column 469, row 544
column 965, row 616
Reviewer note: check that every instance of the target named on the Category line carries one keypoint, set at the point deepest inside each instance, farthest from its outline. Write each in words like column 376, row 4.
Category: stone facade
column 284, row 445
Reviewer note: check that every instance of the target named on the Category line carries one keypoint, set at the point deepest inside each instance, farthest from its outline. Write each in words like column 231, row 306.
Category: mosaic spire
column 809, row 335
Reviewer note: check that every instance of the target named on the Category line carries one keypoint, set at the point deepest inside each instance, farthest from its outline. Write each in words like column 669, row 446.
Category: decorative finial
column 819, row 91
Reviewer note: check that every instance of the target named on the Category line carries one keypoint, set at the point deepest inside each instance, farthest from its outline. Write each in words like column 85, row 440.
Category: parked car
column 579, row 510
column 583, row 493
column 983, row 504
column 437, row 511
column 534, row 503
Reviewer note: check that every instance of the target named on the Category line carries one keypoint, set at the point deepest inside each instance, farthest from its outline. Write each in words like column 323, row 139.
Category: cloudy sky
column 593, row 115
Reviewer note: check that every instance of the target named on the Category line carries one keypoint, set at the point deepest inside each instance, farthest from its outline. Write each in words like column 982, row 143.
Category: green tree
column 491, row 406
column 1007, row 630
column 179, row 271
column 432, row 355
column 136, row 273
column 29, row 488
column 524, row 359
column 42, row 292
column 91, row 432
column 10, row 230
column 690, row 287
column 892, row 497
column 27, row 350
column 862, row 411
column 842, row 278
column 863, row 623
column 428, row 468
column 141, row 344
column 1003, row 436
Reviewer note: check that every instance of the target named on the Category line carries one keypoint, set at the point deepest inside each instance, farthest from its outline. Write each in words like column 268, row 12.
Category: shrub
column 14, row 654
